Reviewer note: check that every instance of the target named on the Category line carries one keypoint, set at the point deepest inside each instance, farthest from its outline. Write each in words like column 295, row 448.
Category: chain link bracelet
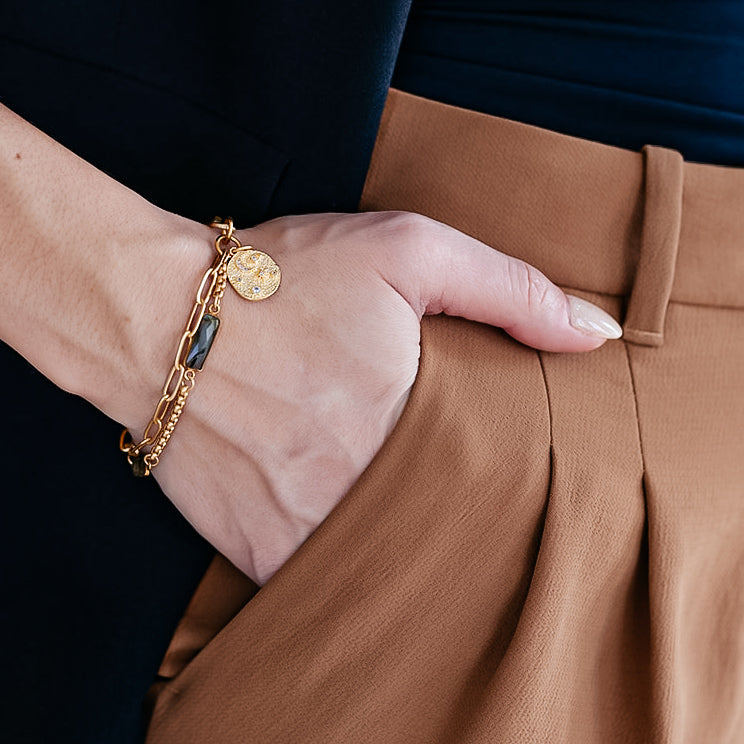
column 254, row 276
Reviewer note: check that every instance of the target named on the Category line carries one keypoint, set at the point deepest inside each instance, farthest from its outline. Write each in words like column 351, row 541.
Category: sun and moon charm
column 253, row 274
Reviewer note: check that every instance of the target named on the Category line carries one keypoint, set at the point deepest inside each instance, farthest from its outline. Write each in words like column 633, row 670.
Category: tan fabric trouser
column 549, row 548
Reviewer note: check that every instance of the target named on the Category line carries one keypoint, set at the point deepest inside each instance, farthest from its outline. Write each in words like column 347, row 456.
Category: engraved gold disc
column 253, row 274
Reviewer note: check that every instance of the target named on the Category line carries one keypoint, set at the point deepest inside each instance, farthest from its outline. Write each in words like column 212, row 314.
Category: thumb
column 458, row 275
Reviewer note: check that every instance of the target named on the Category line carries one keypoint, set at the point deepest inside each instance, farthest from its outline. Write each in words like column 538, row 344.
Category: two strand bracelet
column 254, row 276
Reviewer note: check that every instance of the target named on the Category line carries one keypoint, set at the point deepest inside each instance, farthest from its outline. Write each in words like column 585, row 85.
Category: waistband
column 592, row 217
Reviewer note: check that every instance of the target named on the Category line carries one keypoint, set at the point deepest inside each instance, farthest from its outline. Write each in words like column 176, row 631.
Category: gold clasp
column 226, row 236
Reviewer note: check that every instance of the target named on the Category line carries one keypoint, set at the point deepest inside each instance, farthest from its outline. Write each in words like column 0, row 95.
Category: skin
column 299, row 391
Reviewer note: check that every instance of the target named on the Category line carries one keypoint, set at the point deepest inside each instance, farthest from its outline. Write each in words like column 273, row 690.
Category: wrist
column 145, row 302
column 94, row 278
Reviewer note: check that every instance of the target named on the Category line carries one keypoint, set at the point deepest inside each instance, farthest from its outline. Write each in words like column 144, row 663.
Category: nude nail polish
column 592, row 320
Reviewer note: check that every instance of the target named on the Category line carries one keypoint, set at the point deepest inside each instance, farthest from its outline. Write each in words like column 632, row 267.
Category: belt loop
column 652, row 286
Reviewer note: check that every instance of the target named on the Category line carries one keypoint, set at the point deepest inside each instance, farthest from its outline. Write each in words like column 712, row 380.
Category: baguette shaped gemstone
column 202, row 341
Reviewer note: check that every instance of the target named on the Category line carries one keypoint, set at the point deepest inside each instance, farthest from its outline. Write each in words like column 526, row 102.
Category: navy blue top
column 622, row 72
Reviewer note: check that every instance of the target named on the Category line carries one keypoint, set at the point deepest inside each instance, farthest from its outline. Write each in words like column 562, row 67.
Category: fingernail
column 592, row 320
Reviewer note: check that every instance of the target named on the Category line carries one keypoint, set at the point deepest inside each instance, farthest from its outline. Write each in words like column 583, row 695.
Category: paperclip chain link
column 144, row 455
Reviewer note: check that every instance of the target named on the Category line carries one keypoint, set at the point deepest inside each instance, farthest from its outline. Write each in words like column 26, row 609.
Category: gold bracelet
column 254, row 276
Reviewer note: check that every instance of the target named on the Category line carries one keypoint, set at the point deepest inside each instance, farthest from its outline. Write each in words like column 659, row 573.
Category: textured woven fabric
column 548, row 547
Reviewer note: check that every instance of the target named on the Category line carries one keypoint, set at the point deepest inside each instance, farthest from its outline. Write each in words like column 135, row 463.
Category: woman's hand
column 300, row 391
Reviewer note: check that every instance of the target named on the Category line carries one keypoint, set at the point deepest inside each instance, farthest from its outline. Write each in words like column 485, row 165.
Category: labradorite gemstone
column 138, row 466
column 202, row 341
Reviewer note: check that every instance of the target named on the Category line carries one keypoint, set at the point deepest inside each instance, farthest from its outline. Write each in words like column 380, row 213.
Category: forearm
column 94, row 279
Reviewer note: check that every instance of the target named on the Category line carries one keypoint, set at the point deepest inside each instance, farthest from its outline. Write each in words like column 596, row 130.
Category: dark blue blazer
column 255, row 109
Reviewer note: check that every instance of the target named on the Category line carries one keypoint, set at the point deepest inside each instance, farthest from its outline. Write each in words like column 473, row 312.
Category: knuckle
column 408, row 228
column 530, row 287
column 411, row 250
column 412, row 240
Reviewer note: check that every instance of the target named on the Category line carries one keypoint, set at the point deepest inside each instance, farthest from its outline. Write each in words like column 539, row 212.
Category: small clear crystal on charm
column 253, row 274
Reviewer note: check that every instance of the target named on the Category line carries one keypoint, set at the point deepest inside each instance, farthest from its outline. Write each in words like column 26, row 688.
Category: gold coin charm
column 253, row 274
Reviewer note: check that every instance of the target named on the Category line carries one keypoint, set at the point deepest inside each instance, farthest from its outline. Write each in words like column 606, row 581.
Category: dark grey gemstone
column 138, row 466
column 202, row 341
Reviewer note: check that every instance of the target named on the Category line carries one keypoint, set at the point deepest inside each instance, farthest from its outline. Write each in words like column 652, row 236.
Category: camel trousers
column 549, row 547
